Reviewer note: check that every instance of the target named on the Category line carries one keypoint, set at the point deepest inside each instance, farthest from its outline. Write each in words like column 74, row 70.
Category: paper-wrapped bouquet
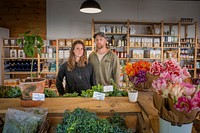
column 177, row 100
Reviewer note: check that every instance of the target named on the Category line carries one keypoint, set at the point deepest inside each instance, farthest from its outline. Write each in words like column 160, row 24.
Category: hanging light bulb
column 90, row 6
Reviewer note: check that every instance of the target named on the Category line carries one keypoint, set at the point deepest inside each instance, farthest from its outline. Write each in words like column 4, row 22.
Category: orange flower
column 134, row 68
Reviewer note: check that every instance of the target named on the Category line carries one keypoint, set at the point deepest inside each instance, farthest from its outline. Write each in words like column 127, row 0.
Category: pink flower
column 159, row 85
column 184, row 73
column 176, row 92
column 156, row 68
column 166, row 75
column 184, row 104
column 176, row 79
column 172, row 67
column 188, row 88
column 196, row 100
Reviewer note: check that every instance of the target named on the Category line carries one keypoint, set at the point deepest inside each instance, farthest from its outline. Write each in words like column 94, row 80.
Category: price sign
column 38, row 97
column 99, row 96
column 108, row 88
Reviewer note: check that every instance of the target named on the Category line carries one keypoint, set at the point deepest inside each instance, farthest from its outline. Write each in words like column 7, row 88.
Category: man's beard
column 99, row 46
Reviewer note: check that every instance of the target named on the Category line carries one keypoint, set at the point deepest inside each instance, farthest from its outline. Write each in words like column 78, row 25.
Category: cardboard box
column 138, row 53
column 61, row 42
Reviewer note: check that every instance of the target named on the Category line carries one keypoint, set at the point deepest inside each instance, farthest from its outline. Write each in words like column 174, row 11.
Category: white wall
column 64, row 20
column 4, row 33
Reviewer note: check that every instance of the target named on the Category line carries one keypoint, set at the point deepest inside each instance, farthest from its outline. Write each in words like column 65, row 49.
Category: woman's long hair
column 71, row 63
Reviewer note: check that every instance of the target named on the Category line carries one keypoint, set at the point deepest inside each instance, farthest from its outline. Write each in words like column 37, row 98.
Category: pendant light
column 90, row 6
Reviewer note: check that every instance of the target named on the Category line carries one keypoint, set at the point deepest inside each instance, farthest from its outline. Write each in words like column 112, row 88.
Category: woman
column 78, row 72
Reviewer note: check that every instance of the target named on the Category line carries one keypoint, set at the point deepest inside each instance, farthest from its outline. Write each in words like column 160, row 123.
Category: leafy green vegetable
column 10, row 92
column 49, row 93
column 82, row 121
column 13, row 92
column 70, row 94
column 99, row 88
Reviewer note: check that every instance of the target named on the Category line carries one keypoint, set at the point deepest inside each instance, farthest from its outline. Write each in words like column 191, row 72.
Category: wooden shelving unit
column 169, row 34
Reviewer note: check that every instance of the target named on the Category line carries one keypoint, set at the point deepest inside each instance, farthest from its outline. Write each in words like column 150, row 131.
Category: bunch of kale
column 83, row 121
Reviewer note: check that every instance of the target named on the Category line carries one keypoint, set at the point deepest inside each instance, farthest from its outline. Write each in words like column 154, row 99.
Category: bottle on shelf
column 112, row 40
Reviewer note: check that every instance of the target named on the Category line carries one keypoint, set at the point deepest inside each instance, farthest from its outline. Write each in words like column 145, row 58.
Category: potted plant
column 32, row 44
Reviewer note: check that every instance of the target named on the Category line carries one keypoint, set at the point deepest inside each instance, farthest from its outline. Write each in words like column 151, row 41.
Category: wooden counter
column 149, row 112
column 57, row 106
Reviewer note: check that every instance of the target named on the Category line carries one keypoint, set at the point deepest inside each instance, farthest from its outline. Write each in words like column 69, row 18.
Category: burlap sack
column 167, row 111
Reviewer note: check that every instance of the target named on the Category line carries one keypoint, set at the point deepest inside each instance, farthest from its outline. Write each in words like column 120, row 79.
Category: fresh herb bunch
column 10, row 92
column 49, row 93
column 82, row 121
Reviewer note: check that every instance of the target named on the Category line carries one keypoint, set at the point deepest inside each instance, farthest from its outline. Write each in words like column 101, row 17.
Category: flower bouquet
column 177, row 100
column 136, row 72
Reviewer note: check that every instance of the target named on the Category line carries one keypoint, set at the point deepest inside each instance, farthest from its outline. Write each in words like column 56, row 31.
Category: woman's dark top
column 80, row 78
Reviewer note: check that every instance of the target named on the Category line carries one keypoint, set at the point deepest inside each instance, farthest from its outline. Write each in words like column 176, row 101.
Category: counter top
column 59, row 105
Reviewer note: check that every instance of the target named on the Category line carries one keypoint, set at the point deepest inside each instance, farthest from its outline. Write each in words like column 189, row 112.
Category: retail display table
column 57, row 106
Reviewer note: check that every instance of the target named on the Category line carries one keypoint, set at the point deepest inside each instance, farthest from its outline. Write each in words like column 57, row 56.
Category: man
column 105, row 62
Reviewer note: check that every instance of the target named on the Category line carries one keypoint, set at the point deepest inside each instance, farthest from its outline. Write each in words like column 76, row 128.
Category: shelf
column 62, row 58
column 10, row 46
column 145, row 47
column 20, row 58
column 64, row 47
column 115, row 33
column 187, row 23
column 21, row 72
column 170, row 23
column 145, row 58
column 170, row 42
column 172, row 47
column 144, row 35
column 48, row 58
column 170, row 36
column 115, row 47
column 145, row 23
column 187, row 59
column 47, row 72
column 187, row 47
column 187, row 42
column 110, row 22
column 192, row 69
